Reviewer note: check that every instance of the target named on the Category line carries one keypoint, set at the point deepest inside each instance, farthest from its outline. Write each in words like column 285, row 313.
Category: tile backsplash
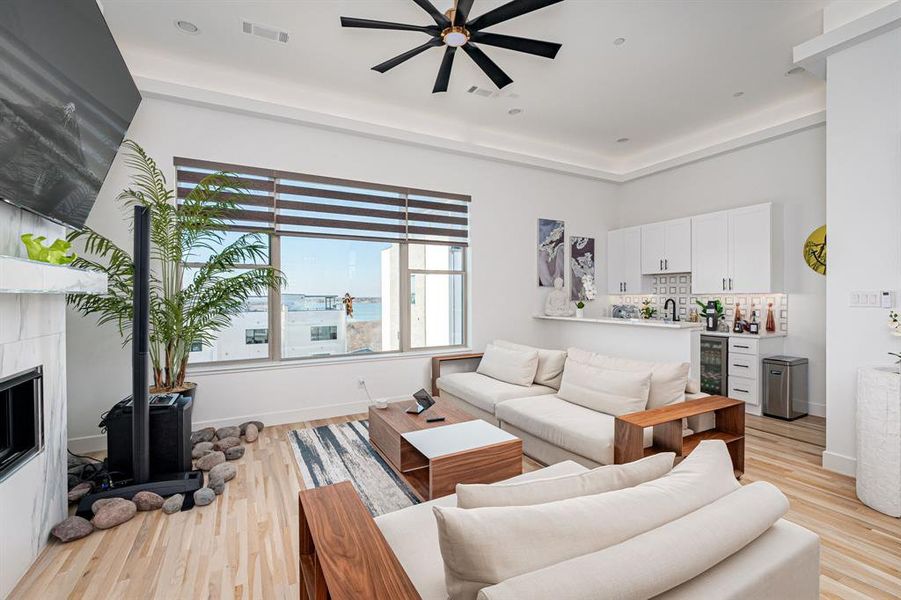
column 678, row 287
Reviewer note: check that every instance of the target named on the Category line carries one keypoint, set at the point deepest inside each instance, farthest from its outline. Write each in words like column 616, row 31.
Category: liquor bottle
column 753, row 326
column 770, row 318
column 737, row 326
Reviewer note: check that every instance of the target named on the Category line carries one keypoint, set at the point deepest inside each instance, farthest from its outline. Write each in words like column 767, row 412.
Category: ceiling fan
column 454, row 29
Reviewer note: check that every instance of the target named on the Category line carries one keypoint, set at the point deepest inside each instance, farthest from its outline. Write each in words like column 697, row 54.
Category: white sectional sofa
column 692, row 534
column 555, row 428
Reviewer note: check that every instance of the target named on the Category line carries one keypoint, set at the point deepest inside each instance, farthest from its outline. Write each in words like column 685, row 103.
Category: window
column 256, row 336
column 196, row 346
column 321, row 333
column 369, row 268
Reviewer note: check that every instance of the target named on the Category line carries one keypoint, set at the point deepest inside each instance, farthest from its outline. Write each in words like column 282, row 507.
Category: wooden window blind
column 289, row 203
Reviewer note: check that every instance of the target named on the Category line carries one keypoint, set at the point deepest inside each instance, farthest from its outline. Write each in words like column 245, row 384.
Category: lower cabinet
column 746, row 354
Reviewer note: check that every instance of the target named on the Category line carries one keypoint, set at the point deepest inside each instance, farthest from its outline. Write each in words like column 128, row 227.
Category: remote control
column 434, row 419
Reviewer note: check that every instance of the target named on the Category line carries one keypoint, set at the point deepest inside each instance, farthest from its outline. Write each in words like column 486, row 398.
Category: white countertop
column 21, row 276
column 762, row 334
column 457, row 437
column 627, row 322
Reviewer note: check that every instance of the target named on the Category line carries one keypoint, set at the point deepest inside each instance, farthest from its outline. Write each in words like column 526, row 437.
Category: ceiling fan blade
column 393, row 62
column 493, row 71
column 537, row 47
column 445, row 71
column 462, row 12
column 508, row 11
column 370, row 24
column 436, row 14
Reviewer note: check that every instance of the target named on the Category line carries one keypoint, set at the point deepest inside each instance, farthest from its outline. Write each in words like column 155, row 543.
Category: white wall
column 788, row 171
column 864, row 213
column 507, row 201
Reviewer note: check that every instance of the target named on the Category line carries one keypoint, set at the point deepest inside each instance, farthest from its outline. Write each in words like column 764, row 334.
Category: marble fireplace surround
column 33, row 333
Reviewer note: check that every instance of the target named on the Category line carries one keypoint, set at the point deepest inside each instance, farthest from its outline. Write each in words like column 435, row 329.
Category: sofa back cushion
column 550, row 363
column 551, row 489
column 604, row 390
column 484, row 546
column 669, row 380
column 704, row 538
column 513, row 366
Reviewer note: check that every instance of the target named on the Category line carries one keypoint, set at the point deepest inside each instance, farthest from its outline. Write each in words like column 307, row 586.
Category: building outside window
column 400, row 254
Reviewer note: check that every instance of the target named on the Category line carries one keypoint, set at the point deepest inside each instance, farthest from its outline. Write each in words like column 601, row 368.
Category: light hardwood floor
column 809, row 429
column 245, row 544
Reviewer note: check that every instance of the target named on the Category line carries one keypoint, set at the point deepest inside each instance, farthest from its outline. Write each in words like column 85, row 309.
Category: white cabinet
column 746, row 354
column 624, row 261
column 734, row 250
column 666, row 247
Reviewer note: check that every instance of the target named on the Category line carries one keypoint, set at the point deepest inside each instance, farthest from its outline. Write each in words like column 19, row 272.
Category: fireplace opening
column 21, row 422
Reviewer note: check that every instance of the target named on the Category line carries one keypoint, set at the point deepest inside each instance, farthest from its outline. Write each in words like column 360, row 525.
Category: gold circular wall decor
column 815, row 250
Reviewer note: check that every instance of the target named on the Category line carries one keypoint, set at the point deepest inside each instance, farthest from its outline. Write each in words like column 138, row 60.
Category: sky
column 319, row 266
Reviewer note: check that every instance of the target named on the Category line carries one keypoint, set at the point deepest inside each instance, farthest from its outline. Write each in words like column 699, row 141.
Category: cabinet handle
column 666, row 264
column 730, row 283
column 742, row 366
column 743, row 347
column 741, row 390
column 625, row 286
column 724, row 283
column 661, row 264
column 620, row 286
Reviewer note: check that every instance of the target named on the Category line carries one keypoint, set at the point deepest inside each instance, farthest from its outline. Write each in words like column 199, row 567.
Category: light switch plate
column 871, row 299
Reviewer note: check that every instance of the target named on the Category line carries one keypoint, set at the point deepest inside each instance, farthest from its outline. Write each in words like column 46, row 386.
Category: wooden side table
column 667, row 424
column 436, row 365
column 343, row 555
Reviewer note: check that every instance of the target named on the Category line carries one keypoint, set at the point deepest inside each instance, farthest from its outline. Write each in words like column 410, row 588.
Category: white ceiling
column 669, row 88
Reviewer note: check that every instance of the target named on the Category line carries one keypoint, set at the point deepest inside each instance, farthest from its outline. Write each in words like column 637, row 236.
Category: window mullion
column 404, row 290
column 275, row 302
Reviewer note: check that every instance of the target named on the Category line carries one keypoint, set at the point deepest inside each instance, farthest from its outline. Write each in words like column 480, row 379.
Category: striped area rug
column 333, row 453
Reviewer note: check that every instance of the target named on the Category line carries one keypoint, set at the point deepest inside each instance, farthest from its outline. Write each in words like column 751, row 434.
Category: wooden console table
column 667, row 424
column 343, row 555
column 436, row 365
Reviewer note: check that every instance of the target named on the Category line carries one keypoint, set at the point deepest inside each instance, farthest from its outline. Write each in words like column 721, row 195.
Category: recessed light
column 622, row 140
column 619, row 41
column 794, row 71
column 187, row 27
column 514, row 111
column 738, row 94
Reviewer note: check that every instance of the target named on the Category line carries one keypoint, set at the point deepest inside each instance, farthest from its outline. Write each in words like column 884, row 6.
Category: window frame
column 274, row 354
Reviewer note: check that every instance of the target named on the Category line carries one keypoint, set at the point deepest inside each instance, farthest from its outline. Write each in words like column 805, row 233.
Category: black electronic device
column 434, row 419
column 424, row 401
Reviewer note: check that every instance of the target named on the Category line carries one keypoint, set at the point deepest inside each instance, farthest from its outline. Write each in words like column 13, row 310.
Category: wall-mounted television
column 66, row 101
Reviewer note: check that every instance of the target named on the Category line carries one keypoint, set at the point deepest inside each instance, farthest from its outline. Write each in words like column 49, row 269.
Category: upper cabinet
column 666, row 247
column 624, row 260
column 734, row 250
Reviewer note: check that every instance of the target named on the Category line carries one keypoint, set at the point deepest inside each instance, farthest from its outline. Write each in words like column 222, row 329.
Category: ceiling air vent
column 265, row 32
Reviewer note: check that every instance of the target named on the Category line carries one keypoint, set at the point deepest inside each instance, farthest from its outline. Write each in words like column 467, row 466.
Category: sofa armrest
column 437, row 360
column 343, row 554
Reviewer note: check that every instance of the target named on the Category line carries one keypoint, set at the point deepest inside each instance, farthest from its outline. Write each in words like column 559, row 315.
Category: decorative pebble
column 234, row 453
column 203, row 435
column 73, row 528
column 80, row 491
column 251, row 433
column 205, row 463
column 259, row 425
column 97, row 505
column 226, row 443
column 223, row 472
column 227, row 432
column 148, row 500
column 204, row 496
column 173, row 504
column 217, row 486
column 201, row 449
column 114, row 513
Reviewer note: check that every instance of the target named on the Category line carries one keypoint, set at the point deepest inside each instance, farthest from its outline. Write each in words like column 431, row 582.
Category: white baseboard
column 839, row 463
column 817, row 410
column 97, row 443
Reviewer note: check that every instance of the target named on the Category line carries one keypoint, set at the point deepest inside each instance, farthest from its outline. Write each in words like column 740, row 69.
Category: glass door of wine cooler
column 715, row 365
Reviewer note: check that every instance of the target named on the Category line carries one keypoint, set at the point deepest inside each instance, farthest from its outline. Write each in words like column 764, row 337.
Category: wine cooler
column 715, row 365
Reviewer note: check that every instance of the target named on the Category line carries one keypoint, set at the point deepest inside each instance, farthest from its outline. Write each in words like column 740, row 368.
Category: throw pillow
column 538, row 491
column 550, row 363
column 512, row 366
column 484, row 546
column 604, row 390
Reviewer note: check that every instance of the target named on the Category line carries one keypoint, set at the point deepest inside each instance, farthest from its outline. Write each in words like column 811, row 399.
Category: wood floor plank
column 245, row 544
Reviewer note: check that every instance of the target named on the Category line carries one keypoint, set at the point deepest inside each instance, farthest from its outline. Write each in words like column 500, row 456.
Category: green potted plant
column 647, row 311
column 720, row 309
column 181, row 312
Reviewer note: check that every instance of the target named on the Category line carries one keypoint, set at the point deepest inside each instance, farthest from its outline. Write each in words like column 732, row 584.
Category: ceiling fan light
column 455, row 36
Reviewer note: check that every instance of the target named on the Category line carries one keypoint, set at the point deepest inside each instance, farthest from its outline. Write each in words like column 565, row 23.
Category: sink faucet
column 666, row 305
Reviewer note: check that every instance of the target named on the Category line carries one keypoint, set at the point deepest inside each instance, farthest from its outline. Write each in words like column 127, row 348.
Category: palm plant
column 181, row 312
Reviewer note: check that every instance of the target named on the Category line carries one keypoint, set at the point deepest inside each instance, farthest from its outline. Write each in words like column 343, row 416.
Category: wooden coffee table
column 434, row 457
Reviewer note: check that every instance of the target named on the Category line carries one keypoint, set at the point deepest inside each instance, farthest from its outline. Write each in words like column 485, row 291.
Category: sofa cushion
column 550, row 363
column 605, row 390
column 621, row 570
column 484, row 546
column 512, row 366
column 669, row 380
column 485, row 392
column 539, row 491
column 412, row 534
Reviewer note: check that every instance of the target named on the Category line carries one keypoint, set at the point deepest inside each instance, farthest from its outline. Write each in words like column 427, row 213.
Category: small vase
column 580, row 313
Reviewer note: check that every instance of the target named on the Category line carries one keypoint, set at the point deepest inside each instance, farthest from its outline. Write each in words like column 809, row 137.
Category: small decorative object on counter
column 894, row 322
column 557, row 303
column 587, row 293
column 57, row 253
column 693, row 316
column 753, row 326
column 770, row 318
column 737, row 326
column 647, row 311
column 713, row 312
